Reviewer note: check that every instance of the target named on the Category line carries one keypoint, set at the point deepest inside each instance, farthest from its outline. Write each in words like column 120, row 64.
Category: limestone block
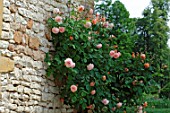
column 12, row 106
column 34, row 43
column 7, row 18
column 29, row 71
column 13, row 8
column 38, row 109
column 6, row 64
column 27, row 90
column 11, row 88
column 20, row 88
column 5, row 34
column 35, row 85
column 27, row 109
column 47, row 97
column 6, row 3
column 11, row 47
column 4, row 44
column 20, row 109
column 30, row 24
column 38, row 55
column 18, row 37
column 36, row 91
column 6, row 10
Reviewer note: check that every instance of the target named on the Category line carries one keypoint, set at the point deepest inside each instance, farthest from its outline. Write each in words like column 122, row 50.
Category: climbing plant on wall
column 98, row 76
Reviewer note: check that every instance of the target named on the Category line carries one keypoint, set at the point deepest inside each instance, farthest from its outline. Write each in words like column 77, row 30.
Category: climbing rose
column 58, row 19
column 94, row 21
column 99, row 46
column 119, row 104
column 73, row 88
column 97, row 14
column 105, row 101
column 90, row 67
column 80, row 8
column 69, row 63
column 116, row 55
column 111, row 25
column 62, row 29
column 55, row 30
column 92, row 84
column 93, row 92
column 56, row 10
column 91, row 11
column 140, row 108
column 106, row 24
column 87, row 25
column 112, row 52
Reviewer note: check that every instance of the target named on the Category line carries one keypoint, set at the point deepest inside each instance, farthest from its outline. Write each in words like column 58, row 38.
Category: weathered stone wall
column 25, row 40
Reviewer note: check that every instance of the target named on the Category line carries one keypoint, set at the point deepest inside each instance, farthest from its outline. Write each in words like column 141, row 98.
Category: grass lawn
column 157, row 110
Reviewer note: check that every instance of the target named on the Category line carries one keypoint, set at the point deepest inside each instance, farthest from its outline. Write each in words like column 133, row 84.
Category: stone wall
column 25, row 40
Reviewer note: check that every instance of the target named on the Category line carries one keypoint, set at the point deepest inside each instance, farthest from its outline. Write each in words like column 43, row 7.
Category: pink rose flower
column 119, row 104
column 55, row 30
column 93, row 92
column 58, row 19
column 92, row 84
column 62, row 29
column 91, row 11
column 112, row 52
column 140, row 108
column 56, row 10
column 80, row 8
column 90, row 67
column 73, row 65
column 105, row 101
column 73, row 88
column 99, row 46
column 140, row 111
column 88, row 25
column 106, row 24
column 97, row 14
column 111, row 25
column 116, row 55
column 69, row 63
column 114, row 108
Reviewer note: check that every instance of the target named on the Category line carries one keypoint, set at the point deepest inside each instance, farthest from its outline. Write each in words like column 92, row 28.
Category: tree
column 152, row 32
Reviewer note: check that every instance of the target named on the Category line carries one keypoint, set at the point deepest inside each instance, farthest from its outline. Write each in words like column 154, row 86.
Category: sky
column 136, row 7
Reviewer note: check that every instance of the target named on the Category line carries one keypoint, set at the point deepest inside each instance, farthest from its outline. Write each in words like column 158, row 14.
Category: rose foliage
column 98, row 77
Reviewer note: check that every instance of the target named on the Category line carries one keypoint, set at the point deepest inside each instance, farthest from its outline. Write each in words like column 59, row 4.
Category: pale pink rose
column 140, row 111
column 116, row 55
column 92, row 84
column 55, row 30
column 111, row 25
column 112, row 52
column 93, row 92
column 80, row 8
column 99, row 46
column 73, row 65
column 114, row 108
column 97, row 14
column 90, row 67
column 105, row 101
column 91, row 11
column 62, row 29
column 69, row 63
column 73, row 88
column 106, row 24
column 119, row 104
column 140, row 108
column 58, row 19
column 88, row 25
column 56, row 10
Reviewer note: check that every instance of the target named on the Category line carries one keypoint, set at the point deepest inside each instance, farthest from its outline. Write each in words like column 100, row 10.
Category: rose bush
column 98, row 76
